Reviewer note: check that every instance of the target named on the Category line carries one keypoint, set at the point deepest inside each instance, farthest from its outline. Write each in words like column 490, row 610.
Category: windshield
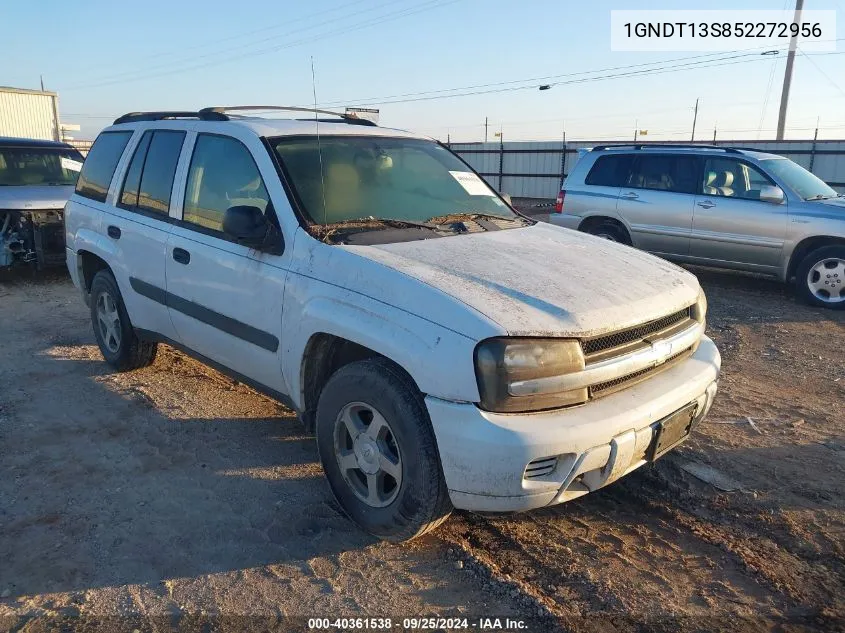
column 382, row 178
column 21, row 166
column 799, row 179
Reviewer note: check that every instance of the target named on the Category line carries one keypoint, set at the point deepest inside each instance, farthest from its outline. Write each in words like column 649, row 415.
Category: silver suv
column 716, row 206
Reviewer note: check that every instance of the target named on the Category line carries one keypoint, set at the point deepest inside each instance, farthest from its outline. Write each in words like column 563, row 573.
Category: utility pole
column 42, row 83
column 485, row 129
column 636, row 129
column 694, row 119
column 787, row 75
column 714, row 132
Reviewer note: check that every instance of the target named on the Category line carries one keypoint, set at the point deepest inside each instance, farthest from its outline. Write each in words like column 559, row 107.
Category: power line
column 216, row 42
column 225, row 51
column 655, row 71
column 425, row 6
column 821, row 72
column 383, row 98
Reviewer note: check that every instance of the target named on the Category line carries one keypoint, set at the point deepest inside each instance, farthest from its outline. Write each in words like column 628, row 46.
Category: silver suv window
column 733, row 178
column 664, row 172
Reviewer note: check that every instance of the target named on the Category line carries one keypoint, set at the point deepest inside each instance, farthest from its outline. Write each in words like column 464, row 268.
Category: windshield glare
column 21, row 166
column 799, row 179
column 383, row 178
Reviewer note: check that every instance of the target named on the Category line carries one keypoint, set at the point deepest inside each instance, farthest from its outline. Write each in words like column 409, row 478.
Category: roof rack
column 638, row 146
column 347, row 118
column 218, row 113
column 131, row 117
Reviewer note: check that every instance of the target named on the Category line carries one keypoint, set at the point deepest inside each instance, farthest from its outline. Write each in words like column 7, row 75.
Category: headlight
column 699, row 310
column 510, row 372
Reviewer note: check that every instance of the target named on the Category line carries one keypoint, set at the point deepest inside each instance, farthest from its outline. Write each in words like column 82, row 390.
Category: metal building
column 29, row 114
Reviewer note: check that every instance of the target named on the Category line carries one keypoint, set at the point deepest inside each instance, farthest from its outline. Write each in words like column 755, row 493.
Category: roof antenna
column 319, row 148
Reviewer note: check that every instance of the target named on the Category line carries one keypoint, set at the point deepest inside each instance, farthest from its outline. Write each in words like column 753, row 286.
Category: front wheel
column 820, row 278
column 379, row 453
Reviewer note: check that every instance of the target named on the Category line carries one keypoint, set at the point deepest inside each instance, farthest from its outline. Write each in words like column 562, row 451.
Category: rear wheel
column 608, row 230
column 379, row 453
column 115, row 335
column 820, row 278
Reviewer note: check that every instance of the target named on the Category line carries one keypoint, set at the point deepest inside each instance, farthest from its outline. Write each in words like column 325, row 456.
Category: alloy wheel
column 826, row 280
column 367, row 454
column 108, row 320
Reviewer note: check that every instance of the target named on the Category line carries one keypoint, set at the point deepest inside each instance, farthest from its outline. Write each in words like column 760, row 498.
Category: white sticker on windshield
column 472, row 184
column 72, row 165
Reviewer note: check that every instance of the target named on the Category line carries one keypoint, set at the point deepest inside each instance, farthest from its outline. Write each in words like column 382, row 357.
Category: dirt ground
column 173, row 497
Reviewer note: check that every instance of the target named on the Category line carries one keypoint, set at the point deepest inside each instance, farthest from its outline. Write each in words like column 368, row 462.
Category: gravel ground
column 172, row 496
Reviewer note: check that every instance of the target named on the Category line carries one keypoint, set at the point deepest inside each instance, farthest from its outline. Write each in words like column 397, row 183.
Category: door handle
column 113, row 232
column 630, row 195
column 181, row 255
column 706, row 204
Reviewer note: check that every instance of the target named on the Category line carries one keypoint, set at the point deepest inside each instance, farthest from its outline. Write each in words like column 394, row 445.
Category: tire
column 119, row 345
column 375, row 399
column 610, row 231
column 820, row 278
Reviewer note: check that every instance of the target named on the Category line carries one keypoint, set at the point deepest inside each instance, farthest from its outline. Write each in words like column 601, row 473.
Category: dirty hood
column 35, row 196
column 544, row 280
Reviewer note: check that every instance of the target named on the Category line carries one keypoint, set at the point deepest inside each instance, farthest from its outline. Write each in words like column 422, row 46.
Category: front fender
column 438, row 359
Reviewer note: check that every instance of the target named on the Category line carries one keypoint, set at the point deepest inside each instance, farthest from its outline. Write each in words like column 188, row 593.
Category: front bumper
column 485, row 455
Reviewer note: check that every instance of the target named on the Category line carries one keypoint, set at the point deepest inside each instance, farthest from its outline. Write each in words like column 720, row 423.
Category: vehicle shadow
column 100, row 486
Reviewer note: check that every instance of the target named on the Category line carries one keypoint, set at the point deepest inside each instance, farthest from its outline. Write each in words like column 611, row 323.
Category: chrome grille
column 632, row 335
column 605, row 388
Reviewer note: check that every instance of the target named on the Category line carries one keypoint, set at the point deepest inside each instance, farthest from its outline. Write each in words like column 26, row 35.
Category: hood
column 544, row 280
column 35, row 196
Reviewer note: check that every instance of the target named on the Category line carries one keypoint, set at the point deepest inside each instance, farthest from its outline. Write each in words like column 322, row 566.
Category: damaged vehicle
column 445, row 350
column 36, row 180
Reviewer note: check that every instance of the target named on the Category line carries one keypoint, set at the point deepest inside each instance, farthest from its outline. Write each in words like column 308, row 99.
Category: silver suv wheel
column 826, row 280
column 108, row 320
column 367, row 454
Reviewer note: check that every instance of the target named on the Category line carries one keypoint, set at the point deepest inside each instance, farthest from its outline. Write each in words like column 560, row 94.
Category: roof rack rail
column 638, row 146
column 347, row 118
column 132, row 117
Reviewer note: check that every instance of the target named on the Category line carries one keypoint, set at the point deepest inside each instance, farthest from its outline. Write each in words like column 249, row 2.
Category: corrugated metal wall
column 534, row 170
column 28, row 114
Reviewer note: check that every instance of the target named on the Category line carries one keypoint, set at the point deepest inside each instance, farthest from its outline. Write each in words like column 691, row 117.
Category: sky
column 105, row 58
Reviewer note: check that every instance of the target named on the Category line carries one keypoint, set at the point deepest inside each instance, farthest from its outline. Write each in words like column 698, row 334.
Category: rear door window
column 665, row 172
column 610, row 171
column 132, row 182
column 159, row 171
column 149, row 179
column 99, row 166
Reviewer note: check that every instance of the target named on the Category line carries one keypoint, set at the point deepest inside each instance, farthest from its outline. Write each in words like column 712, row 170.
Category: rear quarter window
column 610, row 171
column 99, row 165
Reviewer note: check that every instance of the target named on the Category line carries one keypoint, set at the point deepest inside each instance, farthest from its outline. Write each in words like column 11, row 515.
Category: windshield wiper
column 819, row 196
column 445, row 220
column 327, row 232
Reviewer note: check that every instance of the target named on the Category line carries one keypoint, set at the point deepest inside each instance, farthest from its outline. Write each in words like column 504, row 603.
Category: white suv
column 447, row 351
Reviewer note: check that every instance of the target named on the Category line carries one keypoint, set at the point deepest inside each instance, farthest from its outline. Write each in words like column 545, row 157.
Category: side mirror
column 772, row 195
column 507, row 198
column 249, row 226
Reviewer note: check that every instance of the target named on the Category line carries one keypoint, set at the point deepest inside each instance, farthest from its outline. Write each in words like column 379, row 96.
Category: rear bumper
column 485, row 455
